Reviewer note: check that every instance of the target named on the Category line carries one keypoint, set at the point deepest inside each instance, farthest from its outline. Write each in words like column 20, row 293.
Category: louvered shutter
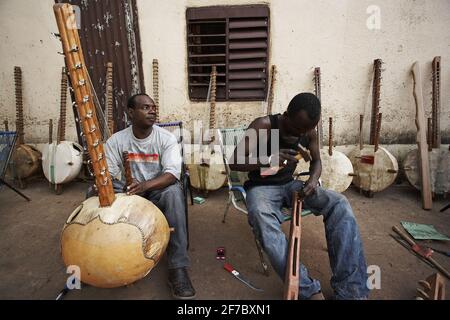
column 236, row 40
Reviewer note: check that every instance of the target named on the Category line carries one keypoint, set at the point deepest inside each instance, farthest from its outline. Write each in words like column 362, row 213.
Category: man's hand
column 283, row 158
column 310, row 187
column 137, row 188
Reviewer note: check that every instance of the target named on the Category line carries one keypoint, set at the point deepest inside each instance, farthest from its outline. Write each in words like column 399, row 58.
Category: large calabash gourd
column 374, row 170
column 337, row 170
column 117, row 245
column 26, row 158
column 26, row 161
column 439, row 162
column 62, row 162
column 113, row 239
column 206, row 169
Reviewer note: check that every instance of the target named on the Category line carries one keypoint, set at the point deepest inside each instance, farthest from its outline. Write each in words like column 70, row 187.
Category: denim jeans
column 170, row 201
column 348, row 265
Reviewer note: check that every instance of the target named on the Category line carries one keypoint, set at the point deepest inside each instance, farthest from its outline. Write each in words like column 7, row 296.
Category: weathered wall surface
column 26, row 41
column 304, row 34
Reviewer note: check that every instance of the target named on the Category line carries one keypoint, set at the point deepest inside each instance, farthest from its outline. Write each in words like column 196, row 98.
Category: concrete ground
column 31, row 265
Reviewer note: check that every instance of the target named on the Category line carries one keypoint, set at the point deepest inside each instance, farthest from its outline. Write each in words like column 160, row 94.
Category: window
column 235, row 39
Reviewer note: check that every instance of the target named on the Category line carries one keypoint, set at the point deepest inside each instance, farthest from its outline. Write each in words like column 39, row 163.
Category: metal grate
column 235, row 39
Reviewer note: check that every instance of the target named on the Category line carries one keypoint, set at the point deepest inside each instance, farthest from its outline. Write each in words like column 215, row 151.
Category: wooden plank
column 292, row 276
column 421, row 138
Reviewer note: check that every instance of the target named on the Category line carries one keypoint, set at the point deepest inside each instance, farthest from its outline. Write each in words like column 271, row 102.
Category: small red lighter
column 220, row 253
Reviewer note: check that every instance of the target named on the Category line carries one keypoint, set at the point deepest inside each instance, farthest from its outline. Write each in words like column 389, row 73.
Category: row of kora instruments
column 375, row 167
column 26, row 159
column 114, row 239
column 438, row 155
column 337, row 170
column 206, row 168
column 208, row 173
column 61, row 160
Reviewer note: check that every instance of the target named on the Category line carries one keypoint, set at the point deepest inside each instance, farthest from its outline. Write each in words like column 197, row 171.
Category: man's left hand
column 310, row 187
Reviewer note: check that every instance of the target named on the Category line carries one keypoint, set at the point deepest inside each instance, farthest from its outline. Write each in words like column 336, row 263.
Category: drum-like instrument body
column 206, row 170
column 439, row 160
column 374, row 171
column 337, row 170
column 62, row 162
column 26, row 161
column 117, row 245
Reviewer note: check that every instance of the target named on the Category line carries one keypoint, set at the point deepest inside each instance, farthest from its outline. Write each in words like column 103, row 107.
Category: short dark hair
column 131, row 103
column 305, row 101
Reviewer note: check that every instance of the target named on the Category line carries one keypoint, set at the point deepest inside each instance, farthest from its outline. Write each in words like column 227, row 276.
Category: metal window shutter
column 239, row 50
column 206, row 40
column 247, row 58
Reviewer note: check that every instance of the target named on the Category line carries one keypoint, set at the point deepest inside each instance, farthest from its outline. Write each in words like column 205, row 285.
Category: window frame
column 235, row 13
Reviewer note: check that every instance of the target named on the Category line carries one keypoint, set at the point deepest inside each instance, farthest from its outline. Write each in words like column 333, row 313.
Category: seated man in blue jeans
column 155, row 162
column 270, row 187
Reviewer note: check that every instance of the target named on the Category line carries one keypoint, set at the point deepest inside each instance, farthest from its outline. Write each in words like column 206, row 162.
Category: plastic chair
column 177, row 129
column 229, row 138
column 7, row 142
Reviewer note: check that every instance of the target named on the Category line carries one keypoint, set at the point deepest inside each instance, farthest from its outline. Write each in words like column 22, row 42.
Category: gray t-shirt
column 150, row 157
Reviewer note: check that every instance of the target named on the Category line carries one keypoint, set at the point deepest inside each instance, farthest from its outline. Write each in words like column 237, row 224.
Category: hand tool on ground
column 62, row 293
column 445, row 253
column 238, row 276
column 425, row 254
column 408, row 247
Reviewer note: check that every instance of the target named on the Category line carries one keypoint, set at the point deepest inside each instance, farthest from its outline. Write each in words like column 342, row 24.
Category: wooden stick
column 19, row 105
column 436, row 102
column 58, row 132
column 330, row 137
column 156, row 87
column 50, row 131
column 430, row 135
column 63, row 106
column 421, row 138
column 375, row 98
column 412, row 243
column 292, row 277
column 84, row 96
column 212, row 110
column 271, row 89
column 361, row 122
column 318, row 92
column 127, row 169
column 109, row 96
column 377, row 136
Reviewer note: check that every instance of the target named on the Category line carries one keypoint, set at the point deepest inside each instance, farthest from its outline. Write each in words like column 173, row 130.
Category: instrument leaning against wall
column 375, row 167
column 337, row 169
column 61, row 159
column 438, row 155
column 206, row 168
column 26, row 159
column 113, row 239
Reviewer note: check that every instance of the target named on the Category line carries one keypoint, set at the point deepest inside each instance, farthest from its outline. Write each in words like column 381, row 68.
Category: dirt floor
column 31, row 265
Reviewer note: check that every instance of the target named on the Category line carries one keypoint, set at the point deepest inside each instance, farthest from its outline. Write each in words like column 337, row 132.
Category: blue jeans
column 348, row 265
column 170, row 201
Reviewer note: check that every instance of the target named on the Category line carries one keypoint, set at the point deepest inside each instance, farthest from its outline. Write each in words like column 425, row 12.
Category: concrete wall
column 304, row 34
column 26, row 41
